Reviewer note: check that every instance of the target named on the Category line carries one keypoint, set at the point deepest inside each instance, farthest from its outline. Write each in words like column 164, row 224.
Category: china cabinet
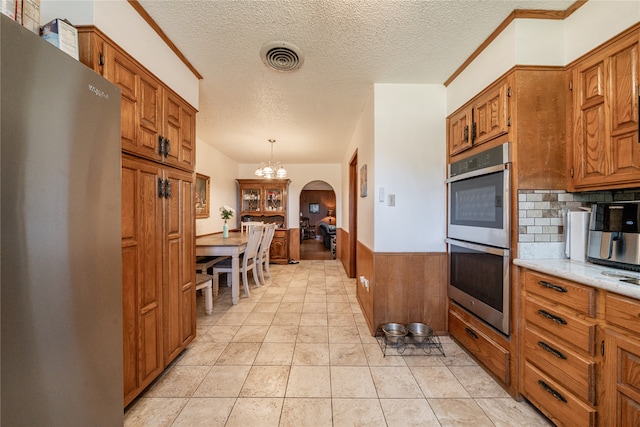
column 266, row 200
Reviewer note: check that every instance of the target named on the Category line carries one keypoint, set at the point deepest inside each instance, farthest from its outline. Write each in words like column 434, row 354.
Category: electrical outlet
column 381, row 194
column 392, row 200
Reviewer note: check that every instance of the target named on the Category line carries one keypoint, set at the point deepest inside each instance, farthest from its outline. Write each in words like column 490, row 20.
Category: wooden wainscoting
column 343, row 251
column 403, row 288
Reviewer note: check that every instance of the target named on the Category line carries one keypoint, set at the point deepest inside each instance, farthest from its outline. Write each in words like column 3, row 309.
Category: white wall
column 362, row 141
column 543, row 42
column 223, row 189
column 300, row 175
column 410, row 162
column 120, row 21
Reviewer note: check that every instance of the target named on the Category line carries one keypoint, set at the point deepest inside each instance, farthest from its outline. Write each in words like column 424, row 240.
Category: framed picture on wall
column 314, row 208
column 363, row 181
column 202, row 196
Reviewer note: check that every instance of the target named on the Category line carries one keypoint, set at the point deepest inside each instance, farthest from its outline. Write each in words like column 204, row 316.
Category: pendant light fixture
column 271, row 168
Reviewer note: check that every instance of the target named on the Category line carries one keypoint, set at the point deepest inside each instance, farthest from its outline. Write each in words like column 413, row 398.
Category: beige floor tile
column 477, row 382
column 352, row 382
column 456, row 356
column 408, row 413
column 343, row 335
column 266, row 381
column 337, row 298
column 301, row 412
column 395, row 382
column 251, row 411
column 205, row 411
column 275, row 353
column 357, row 412
column 338, row 307
column 309, row 381
column 313, row 297
column 459, row 412
column 239, row 353
column 290, row 307
column 347, row 354
column 279, row 333
column 243, row 306
column 223, row 333
column 438, row 382
column 154, row 412
column 375, row 357
column 178, row 381
column 311, row 354
column 266, row 307
column 341, row 319
column 235, row 318
column 313, row 334
column 286, row 319
column 271, row 298
column 202, row 353
column 426, row 360
column 507, row 412
column 223, row 381
column 250, row 333
column 259, row 319
column 313, row 319
column 314, row 307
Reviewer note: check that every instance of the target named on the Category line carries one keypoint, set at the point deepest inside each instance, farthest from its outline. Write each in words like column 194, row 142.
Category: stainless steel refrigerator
column 61, row 292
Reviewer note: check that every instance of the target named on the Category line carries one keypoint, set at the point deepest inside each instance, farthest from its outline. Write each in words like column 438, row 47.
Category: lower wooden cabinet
column 158, row 269
column 279, row 251
column 465, row 329
column 580, row 352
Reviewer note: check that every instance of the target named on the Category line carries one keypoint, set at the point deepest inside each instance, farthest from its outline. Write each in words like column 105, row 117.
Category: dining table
column 233, row 246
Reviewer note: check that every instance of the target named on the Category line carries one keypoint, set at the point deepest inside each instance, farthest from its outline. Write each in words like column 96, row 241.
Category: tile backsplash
column 540, row 213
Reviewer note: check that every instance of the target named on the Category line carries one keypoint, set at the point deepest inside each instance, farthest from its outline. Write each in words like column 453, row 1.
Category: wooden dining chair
column 248, row 260
column 263, row 252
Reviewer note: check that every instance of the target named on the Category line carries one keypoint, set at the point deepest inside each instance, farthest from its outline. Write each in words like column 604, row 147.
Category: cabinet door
column 149, row 117
column 179, row 291
column 250, row 199
column 490, row 114
column 460, row 132
column 279, row 251
column 622, row 380
column 605, row 141
column 141, row 275
column 179, row 130
column 274, row 199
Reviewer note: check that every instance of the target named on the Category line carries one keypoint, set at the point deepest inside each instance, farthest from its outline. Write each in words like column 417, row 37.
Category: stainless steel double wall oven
column 478, row 234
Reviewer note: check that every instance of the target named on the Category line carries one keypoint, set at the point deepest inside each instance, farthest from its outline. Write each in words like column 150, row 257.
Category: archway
column 317, row 221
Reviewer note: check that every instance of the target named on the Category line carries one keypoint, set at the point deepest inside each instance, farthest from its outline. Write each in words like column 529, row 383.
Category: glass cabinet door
column 274, row 200
column 251, row 199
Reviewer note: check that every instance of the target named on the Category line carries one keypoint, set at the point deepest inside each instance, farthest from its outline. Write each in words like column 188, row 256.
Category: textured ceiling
column 347, row 46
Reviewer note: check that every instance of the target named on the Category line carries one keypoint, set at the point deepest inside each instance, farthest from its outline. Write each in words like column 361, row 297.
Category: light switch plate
column 392, row 200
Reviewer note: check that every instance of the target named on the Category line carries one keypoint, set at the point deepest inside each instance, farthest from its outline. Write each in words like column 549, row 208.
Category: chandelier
column 271, row 168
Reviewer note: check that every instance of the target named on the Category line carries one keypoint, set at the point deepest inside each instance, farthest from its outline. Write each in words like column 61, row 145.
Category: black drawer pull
column 551, row 391
column 552, row 286
column 471, row 333
column 552, row 350
column 559, row 320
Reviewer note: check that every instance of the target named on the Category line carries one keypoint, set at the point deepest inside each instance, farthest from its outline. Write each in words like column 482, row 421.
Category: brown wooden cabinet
column 158, row 213
column 621, row 400
column 266, row 200
column 604, row 152
column 156, row 123
column 486, row 117
column 558, row 348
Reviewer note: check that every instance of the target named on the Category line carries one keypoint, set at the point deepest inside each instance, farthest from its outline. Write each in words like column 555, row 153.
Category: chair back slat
column 255, row 236
column 246, row 225
column 269, row 231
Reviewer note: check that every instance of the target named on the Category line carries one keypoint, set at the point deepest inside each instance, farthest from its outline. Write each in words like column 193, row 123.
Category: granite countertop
column 586, row 273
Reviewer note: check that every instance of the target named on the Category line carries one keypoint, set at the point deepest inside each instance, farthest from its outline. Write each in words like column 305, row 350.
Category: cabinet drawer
column 575, row 372
column 578, row 297
column 623, row 312
column 562, row 407
column 575, row 331
column 493, row 356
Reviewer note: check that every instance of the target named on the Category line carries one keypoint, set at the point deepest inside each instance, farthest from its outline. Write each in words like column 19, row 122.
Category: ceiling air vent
column 281, row 56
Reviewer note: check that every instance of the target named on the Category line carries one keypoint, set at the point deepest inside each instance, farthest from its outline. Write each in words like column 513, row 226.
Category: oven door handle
column 485, row 171
column 480, row 248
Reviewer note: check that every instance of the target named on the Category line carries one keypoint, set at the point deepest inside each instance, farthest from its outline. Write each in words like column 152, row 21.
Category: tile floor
column 298, row 353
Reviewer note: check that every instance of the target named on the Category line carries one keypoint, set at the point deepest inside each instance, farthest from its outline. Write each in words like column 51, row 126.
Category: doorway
column 317, row 221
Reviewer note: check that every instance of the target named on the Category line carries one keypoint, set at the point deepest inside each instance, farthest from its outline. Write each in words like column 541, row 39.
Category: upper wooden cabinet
column 156, row 123
column 604, row 151
column 482, row 120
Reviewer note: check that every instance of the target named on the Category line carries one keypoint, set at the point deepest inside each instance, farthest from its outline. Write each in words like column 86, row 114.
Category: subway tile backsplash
column 540, row 211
